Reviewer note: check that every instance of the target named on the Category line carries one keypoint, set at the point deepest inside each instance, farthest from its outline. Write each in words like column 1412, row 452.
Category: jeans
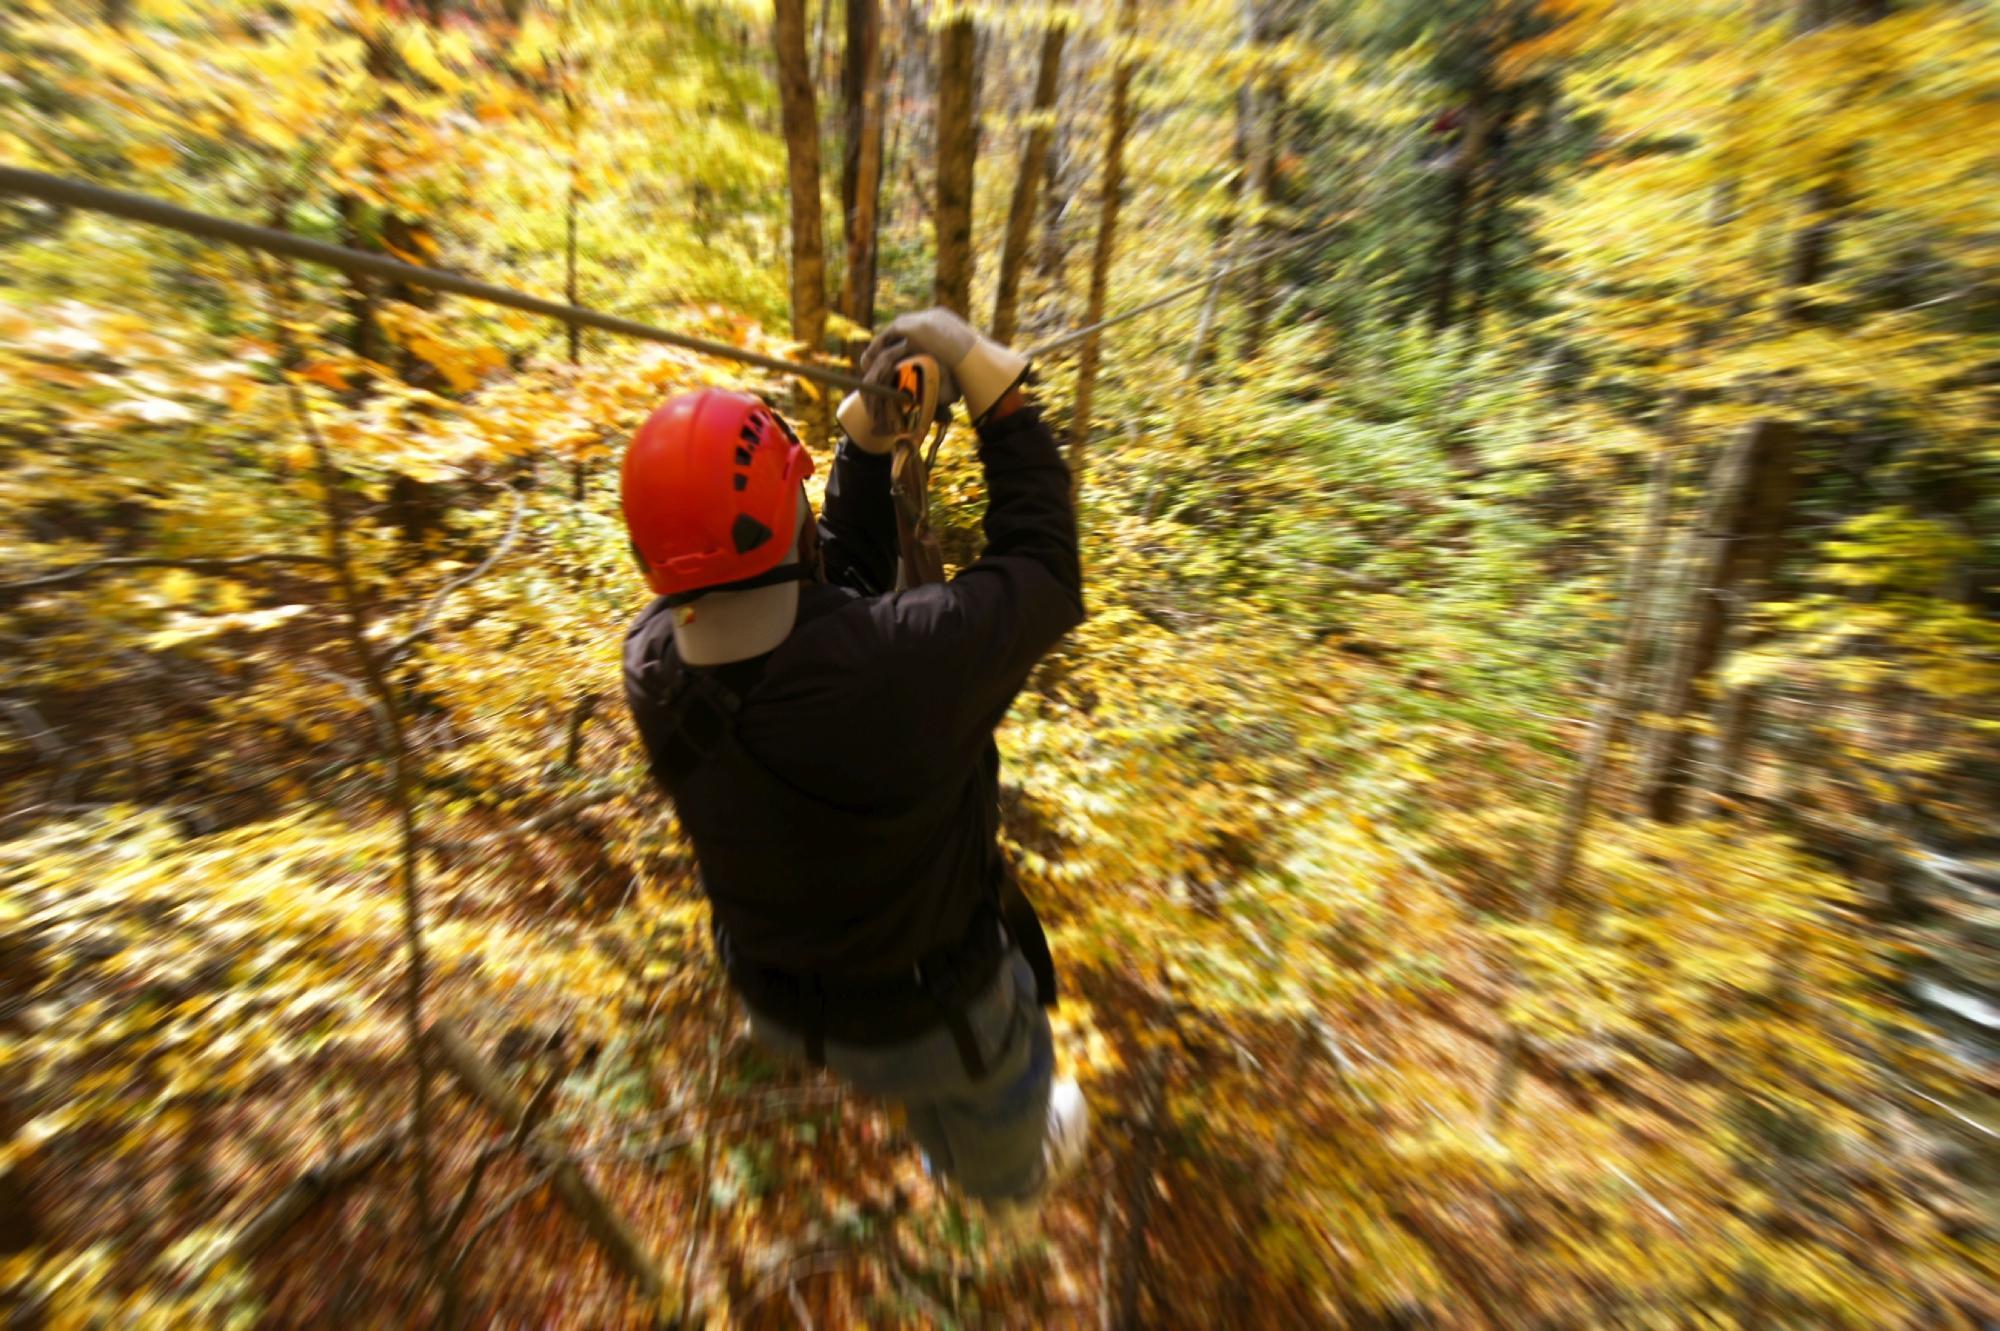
column 986, row 1135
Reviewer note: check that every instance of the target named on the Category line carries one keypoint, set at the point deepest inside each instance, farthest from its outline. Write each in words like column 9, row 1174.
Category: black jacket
column 852, row 829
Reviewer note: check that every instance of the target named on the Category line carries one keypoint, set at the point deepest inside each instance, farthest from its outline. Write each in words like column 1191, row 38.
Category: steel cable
column 64, row 192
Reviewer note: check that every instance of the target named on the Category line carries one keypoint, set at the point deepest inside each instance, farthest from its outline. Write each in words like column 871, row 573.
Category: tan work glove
column 975, row 365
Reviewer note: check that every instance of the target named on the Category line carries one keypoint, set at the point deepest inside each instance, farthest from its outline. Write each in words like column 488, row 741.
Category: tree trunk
column 580, row 468
column 957, row 146
column 801, row 121
column 1458, row 203
column 1053, row 262
column 1229, row 229
column 1748, row 509
column 402, row 762
column 1614, row 707
column 1203, row 349
column 1737, row 547
column 1492, row 204
column 1021, row 208
column 1616, row 694
column 1107, row 239
column 861, row 165
column 1272, row 114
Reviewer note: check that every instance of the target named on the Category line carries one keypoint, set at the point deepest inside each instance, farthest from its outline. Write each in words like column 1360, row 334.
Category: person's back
column 828, row 746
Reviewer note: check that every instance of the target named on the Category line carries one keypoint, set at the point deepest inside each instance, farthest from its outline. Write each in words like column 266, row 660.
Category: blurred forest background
column 1520, row 820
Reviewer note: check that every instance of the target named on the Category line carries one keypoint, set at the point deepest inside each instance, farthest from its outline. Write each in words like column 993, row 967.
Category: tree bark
column 801, row 122
column 1737, row 546
column 1021, row 208
column 1458, row 203
column 1492, row 203
column 1053, row 261
column 861, row 164
column 957, row 147
column 1107, row 240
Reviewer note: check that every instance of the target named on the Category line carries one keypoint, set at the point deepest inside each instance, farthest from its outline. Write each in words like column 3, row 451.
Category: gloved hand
column 982, row 368
column 975, row 365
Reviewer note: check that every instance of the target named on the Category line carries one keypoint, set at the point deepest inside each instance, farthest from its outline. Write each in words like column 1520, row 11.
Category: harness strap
column 770, row 577
column 960, row 1027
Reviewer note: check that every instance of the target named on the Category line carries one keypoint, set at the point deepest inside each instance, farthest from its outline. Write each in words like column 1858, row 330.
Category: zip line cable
column 157, row 212
column 1270, row 251
column 64, row 192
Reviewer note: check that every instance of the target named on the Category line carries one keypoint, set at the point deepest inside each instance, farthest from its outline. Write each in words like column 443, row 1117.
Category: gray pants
column 986, row 1135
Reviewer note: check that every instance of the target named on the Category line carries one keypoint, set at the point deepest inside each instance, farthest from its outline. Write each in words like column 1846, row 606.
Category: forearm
column 1028, row 509
column 858, row 521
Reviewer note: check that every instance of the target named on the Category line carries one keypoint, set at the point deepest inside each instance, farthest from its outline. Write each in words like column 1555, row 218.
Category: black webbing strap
column 960, row 1027
column 770, row 577
column 1024, row 927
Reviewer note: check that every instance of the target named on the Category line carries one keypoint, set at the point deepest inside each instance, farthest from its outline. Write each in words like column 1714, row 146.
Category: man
column 828, row 745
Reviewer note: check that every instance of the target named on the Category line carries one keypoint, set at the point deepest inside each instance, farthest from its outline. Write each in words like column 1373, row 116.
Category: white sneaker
column 1068, row 1134
column 1017, row 1223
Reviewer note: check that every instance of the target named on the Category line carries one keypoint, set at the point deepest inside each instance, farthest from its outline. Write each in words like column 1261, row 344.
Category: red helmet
column 710, row 488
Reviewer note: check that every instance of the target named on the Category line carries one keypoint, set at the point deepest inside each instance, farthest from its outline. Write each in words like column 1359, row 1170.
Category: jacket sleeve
column 857, row 522
column 963, row 649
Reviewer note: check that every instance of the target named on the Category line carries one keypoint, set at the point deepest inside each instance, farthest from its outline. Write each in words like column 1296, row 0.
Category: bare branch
column 538, row 1109
column 610, row 1231
column 395, row 747
column 311, row 1188
column 401, row 647
column 499, row 1212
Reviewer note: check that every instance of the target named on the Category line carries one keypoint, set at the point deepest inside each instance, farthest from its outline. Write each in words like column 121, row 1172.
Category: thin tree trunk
column 388, row 707
column 1055, row 206
column 822, row 37
column 1053, row 261
column 1492, row 204
column 1110, row 192
column 1616, row 694
column 580, row 468
column 861, row 163
column 1458, row 202
column 1272, row 96
column 1229, row 229
column 1614, row 708
column 801, row 121
column 1737, row 545
column 957, row 148
column 1021, row 208
column 1762, row 482
column 1203, row 349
